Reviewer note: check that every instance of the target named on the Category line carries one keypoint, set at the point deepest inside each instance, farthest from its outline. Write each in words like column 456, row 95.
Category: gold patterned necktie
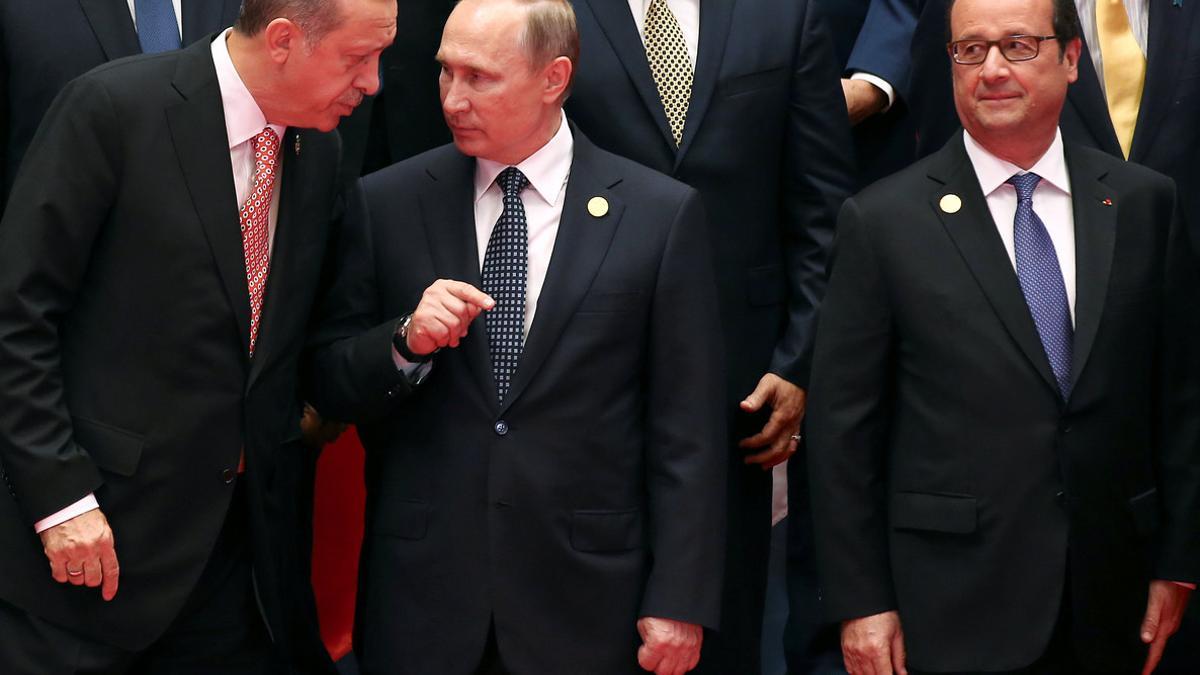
column 1124, row 69
column 670, row 64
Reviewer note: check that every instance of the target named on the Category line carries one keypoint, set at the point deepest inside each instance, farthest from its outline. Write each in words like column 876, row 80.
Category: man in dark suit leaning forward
column 150, row 333
column 1004, row 419
column 555, row 484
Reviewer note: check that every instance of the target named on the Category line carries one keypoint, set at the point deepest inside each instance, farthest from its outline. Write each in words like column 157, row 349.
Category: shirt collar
column 547, row 169
column 993, row 172
column 243, row 118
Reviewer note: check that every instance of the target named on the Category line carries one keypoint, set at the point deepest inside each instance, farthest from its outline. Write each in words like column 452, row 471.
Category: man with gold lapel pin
column 1004, row 424
column 549, row 498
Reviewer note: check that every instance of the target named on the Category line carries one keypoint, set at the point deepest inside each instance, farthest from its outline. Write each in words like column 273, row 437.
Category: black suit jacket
column 594, row 494
column 1166, row 138
column 766, row 143
column 47, row 43
column 124, row 332
column 950, row 481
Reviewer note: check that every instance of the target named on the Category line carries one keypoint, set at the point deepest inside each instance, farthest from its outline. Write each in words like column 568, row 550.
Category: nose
column 367, row 80
column 994, row 65
column 453, row 100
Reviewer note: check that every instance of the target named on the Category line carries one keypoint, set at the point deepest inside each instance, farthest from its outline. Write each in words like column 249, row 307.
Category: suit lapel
column 448, row 211
column 1095, row 234
column 1087, row 97
column 579, row 249
column 291, row 194
column 113, row 26
column 715, row 16
column 197, row 128
column 1170, row 26
column 973, row 232
column 617, row 24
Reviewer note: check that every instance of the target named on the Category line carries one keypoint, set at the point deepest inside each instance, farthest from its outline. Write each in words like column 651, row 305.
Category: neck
column 1024, row 152
column 254, row 70
column 544, row 136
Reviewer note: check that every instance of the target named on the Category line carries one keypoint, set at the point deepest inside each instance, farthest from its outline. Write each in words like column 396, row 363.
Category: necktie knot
column 512, row 181
column 1025, row 184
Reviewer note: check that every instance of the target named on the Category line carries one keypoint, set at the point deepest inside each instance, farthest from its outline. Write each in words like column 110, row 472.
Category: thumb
column 755, row 400
column 898, row 656
column 1153, row 614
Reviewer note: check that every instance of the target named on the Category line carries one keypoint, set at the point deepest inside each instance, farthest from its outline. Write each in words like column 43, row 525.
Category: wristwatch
column 400, row 342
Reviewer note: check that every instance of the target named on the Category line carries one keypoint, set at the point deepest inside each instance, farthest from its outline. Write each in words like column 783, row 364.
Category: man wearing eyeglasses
column 1003, row 427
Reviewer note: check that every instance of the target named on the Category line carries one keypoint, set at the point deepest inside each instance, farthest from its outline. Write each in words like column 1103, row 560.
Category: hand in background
column 669, row 647
column 786, row 402
column 874, row 645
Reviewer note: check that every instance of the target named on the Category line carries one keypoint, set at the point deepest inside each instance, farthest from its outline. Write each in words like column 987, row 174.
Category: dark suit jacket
column 873, row 36
column 405, row 117
column 594, row 494
column 950, row 481
column 47, row 43
column 124, row 331
column 766, row 144
column 1166, row 138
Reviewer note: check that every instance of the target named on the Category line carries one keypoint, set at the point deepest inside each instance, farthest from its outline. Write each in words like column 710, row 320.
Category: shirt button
column 228, row 475
column 501, row 427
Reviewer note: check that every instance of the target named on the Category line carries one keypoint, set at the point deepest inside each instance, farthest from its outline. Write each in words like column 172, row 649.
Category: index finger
column 111, row 571
column 1155, row 655
column 470, row 295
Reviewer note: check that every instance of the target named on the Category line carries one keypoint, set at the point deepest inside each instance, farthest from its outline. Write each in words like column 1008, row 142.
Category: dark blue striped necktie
column 157, row 28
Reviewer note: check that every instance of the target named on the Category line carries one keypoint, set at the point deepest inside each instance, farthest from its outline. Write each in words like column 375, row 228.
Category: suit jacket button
column 228, row 475
column 1060, row 498
column 501, row 427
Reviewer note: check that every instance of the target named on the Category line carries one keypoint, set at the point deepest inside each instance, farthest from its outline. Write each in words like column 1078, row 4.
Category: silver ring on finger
column 74, row 573
column 796, row 437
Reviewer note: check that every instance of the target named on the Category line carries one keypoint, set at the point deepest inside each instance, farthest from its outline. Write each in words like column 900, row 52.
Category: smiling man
column 161, row 250
column 1004, row 424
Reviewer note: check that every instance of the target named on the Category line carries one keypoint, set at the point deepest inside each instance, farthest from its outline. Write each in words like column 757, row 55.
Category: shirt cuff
column 882, row 84
column 1190, row 587
column 414, row 372
column 79, row 508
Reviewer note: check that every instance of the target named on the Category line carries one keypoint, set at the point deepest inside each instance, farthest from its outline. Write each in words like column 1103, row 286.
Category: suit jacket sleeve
column 58, row 206
column 818, row 176
column 848, row 428
column 883, row 44
column 1178, row 555
column 351, row 374
column 685, row 457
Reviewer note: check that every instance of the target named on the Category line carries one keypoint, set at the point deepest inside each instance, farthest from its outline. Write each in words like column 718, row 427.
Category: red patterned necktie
column 255, row 227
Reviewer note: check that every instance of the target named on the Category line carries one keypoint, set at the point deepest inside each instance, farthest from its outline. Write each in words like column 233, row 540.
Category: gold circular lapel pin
column 598, row 207
column 951, row 203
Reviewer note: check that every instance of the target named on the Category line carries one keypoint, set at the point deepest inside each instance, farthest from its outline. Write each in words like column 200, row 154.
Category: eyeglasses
column 1014, row 48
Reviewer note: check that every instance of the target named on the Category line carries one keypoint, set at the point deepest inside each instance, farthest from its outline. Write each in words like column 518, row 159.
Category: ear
column 558, row 77
column 1071, row 56
column 282, row 36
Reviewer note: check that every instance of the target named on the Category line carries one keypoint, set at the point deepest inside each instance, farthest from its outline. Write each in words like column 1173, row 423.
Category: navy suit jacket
column 872, row 36
column 766, row 143
column 1167, row 137
column 47, row 43
column 595, row 493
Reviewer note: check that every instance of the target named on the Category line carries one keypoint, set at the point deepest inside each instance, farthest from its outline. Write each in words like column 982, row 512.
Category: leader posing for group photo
column 1004, row 422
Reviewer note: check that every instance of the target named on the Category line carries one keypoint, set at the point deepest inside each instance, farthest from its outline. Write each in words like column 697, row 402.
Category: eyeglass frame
column 996, row 43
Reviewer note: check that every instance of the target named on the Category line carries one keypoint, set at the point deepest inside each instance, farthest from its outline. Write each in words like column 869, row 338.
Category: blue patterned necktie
column 1042, row 282
column 156, row 26
column 505, row 267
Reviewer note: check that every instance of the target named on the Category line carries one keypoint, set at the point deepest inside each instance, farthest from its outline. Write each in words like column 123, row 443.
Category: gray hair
column 315, row 17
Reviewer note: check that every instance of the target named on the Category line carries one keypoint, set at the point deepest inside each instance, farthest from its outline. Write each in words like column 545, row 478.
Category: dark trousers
column 219, row 631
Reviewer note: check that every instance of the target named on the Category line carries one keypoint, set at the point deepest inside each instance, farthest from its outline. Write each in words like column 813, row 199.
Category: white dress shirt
column 1139, row 23
column 547, row 170
column 1051, row 202
column 178, row 15
column 243, row 121
column 687, row 15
